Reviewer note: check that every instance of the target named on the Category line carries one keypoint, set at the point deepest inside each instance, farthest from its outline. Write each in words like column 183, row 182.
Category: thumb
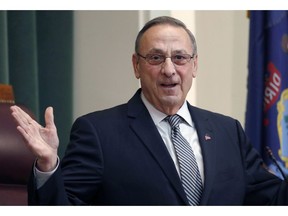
column 49, row 117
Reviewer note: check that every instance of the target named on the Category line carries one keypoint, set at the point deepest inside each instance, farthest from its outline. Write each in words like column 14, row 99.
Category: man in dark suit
column 125, row 155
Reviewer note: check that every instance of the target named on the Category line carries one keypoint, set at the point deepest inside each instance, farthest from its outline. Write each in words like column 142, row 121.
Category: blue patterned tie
column 189, row 172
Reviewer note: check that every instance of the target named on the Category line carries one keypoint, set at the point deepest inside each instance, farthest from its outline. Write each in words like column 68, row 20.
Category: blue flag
column 266, row 121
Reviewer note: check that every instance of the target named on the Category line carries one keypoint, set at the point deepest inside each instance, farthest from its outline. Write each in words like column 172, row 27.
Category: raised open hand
column 42, row 141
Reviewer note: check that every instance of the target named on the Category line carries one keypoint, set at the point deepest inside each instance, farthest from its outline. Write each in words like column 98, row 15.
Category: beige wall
column 104, row 42
column 223, row 53
column 103, row 47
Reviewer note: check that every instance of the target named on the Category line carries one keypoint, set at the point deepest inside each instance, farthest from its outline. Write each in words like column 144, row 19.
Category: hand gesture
column 42, row 141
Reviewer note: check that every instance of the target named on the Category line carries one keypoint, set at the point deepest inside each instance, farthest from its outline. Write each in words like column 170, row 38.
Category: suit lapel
column 142, row 124
column 208, row 145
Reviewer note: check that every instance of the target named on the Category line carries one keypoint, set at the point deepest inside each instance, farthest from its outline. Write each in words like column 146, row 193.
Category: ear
column 135, row 65
column 195, row 66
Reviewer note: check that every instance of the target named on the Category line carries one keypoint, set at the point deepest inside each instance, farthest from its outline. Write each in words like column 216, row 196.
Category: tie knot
column 174, row 120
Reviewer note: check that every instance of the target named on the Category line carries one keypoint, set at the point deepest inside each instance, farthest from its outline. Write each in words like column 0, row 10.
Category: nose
column 168, row 68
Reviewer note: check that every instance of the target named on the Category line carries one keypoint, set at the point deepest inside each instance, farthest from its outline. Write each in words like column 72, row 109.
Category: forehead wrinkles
column 165, row 38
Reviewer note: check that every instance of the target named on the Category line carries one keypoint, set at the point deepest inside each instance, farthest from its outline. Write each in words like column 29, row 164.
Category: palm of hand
column 43, row 142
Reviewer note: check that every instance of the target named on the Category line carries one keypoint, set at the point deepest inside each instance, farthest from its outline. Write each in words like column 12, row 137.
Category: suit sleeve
column 78, row 178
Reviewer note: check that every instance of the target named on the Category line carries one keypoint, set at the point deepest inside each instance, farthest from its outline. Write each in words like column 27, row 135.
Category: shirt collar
column 158, row 116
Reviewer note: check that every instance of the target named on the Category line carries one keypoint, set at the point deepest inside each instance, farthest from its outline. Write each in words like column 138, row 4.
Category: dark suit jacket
column 117, row 157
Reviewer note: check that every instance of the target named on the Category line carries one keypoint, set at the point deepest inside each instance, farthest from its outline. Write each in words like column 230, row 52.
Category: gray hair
column 161, row 21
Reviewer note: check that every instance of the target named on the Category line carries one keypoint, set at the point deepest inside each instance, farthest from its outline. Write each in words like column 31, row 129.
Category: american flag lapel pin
column 207, row 137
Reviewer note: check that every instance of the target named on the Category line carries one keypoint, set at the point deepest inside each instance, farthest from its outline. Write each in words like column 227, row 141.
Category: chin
column 170, row 100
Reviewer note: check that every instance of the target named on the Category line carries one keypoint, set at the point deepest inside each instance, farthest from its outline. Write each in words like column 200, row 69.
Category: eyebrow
column 156, row 50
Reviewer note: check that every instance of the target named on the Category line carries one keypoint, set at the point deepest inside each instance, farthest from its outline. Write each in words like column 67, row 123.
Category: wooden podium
column 6, row 94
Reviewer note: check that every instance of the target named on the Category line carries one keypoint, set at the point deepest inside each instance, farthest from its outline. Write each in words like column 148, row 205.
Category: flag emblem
column 207, row 137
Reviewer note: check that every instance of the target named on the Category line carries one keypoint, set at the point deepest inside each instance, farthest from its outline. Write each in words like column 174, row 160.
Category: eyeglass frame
column 146, row 58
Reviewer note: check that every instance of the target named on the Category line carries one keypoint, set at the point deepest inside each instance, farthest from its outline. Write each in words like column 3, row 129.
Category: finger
column 23, row 119
column 24, row 133
column 29, row 140
column 20, row 116
column 28, row 136
column 49, row 117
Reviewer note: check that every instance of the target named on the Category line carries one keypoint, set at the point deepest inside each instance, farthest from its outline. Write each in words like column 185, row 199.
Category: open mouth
column 169, row 85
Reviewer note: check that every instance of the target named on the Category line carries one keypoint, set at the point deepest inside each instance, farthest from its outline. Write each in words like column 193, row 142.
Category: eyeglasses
column 157, row 59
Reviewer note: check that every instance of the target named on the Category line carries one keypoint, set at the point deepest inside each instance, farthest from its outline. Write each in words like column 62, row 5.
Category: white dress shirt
column 187, row 129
